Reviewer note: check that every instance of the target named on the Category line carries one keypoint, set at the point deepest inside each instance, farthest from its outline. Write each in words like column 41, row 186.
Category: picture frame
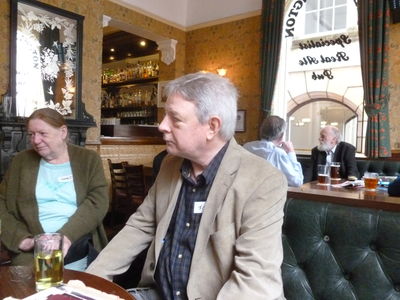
column 161, row 99
column 50, row 51
column 241, row 121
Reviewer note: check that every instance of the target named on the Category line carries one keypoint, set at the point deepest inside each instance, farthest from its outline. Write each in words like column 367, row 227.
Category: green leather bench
column 383, row 167
column 336, row 252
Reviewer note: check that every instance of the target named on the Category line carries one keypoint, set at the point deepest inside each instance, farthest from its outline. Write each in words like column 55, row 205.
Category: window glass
column 325, row 20
column 326, row 3
column 311, row 23
column 329, row 14
column 340, row 17
column 319, row 81
column 306, row 122
column 312, row 5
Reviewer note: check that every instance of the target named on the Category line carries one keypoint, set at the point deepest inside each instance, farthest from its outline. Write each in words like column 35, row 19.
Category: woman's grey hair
column 212, row 94
column 272, row 128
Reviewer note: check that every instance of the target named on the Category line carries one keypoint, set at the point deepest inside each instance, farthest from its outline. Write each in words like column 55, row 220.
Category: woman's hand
column 26, row 244
column 66, row 245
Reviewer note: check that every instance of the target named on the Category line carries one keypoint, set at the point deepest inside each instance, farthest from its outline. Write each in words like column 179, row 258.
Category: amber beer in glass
column 48, row 260
column 371, row 181
column 323, row 175
column 335, row 171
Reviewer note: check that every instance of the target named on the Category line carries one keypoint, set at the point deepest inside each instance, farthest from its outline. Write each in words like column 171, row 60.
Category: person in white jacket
column 278, row 152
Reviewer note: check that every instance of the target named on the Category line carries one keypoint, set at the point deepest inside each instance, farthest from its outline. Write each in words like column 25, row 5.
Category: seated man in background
column 332, row 149
column 213, row 217
column 278, row 152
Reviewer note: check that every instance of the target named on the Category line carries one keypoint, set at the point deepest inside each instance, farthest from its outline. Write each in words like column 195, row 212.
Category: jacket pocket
column 223, row 247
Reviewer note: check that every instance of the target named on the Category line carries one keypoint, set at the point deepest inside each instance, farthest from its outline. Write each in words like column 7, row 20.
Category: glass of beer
column 371, row 181
column 323, row 175
column 49, row 261
column 334, row 171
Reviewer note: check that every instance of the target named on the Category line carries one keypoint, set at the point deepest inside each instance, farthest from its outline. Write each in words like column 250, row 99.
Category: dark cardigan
column 19, row 210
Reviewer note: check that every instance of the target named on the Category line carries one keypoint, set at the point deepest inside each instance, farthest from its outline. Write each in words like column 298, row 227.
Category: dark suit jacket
column 345, row 153
column 394, row 188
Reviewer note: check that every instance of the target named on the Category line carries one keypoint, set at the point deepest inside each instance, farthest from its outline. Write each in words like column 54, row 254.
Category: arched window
column 319, row 79
column 304, row 130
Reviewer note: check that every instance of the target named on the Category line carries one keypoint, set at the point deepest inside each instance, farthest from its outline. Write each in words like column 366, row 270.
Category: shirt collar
column 332, row 151
column 207, row 176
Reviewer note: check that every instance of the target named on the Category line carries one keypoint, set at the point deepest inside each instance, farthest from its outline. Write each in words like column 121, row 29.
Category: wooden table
column 19, row 282
column 378, row 199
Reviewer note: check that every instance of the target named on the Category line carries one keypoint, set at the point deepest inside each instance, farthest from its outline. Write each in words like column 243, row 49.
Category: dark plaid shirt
column 173, row 265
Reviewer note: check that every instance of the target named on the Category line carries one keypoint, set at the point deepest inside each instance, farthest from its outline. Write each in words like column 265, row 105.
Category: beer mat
column 349, row 184
column 73, row 290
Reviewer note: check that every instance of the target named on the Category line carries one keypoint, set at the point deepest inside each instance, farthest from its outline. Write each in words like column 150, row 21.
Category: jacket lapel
column 323, row 158
column 175, row 186
column 223, row 180
column 28, row 203
column 338, row 153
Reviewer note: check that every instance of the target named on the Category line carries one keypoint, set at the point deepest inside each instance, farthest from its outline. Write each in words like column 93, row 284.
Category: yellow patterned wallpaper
column 93, row 11
column 4, row 45
column 234, row 45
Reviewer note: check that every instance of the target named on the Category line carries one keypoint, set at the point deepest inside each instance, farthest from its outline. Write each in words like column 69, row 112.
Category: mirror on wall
column 45, row 66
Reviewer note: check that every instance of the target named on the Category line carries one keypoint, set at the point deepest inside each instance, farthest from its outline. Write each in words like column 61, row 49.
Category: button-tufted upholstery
column 383, row 167
column 340, row 252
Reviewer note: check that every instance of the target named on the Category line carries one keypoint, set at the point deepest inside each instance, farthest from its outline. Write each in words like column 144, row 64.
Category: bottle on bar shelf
column 140, row 70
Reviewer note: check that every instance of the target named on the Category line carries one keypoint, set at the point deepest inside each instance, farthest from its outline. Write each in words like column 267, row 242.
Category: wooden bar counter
column 138, row 145
column 131, row 135
column 359, row 197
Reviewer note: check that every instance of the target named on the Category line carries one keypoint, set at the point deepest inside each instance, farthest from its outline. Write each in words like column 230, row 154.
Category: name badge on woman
column 66, row 178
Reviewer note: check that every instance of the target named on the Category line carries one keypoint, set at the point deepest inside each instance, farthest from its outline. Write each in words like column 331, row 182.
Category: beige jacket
column 238, row 252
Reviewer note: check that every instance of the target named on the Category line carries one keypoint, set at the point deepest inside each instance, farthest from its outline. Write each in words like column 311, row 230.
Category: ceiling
column 125, row 45
column 182, row 13
column 187, row 13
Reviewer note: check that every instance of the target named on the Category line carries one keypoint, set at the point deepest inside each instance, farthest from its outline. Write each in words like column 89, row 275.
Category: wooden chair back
column 118, row 178
column 135, row 180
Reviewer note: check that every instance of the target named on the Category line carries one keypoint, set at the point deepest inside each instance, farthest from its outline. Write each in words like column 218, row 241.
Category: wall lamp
column 222, row 72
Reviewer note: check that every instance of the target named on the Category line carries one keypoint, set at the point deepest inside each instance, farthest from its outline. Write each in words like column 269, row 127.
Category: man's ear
column 214, row 124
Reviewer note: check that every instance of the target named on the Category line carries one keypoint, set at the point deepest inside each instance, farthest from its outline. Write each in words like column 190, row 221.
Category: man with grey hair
column 278, row 152
column 332, row 149
column 213, row 218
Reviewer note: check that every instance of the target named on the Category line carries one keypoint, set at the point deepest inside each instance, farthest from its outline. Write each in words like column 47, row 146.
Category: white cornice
column 224, row 20
column 183, row 9
column 149, row 14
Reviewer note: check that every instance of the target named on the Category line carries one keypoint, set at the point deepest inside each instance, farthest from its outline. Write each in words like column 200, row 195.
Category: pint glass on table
column 335, row 171
column 323, row 175
column 371, row 181
column 49, row 261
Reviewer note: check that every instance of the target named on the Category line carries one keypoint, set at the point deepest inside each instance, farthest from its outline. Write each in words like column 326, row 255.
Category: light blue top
column 55, row 194
column 286, row 162
column 56, row 198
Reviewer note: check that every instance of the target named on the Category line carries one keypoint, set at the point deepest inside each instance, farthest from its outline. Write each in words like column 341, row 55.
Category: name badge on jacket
column 66, row 178
column 198, row 207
